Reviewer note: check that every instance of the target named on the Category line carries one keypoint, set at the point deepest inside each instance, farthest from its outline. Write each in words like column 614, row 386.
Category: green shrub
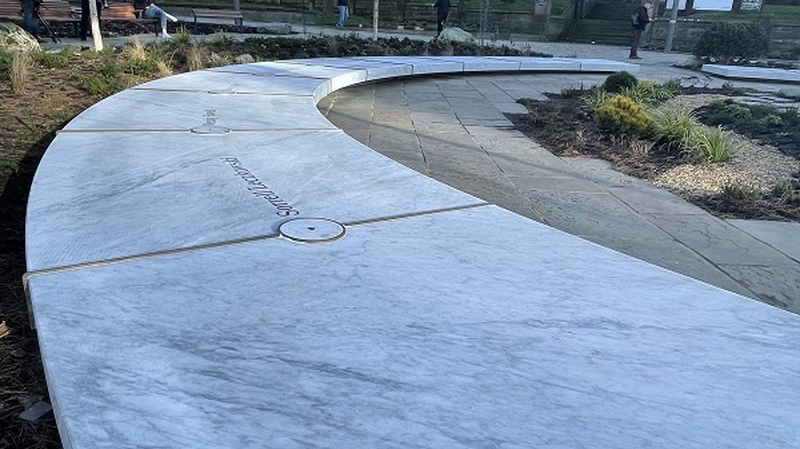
column 729, row 106
column 706, row 144
column 731, row 43
column 791, row 116
column 618, row 81
column 782, row 187
column 724, row 112
column 771, row 120
column 622, row 115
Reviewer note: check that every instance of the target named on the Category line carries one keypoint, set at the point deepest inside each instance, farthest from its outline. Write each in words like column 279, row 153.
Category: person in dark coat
column 639, row 19
column 85, row 16
column 30, row 22
column 442, row 9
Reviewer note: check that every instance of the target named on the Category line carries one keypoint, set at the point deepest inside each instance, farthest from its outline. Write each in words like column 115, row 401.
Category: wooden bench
column 54, row 10
column 217, row 14
column 10, row 10
column 123, row 11
column 50, row 10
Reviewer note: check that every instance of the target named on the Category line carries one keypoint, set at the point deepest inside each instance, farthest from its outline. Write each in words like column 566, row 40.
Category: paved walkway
column 454, row 130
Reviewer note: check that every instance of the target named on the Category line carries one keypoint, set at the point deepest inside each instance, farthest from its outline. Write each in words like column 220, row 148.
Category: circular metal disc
column 312, row 230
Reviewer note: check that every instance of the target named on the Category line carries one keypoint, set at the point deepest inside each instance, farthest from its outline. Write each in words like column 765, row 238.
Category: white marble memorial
column 142, row 193
column 755, row 73
column 255, row 278
column 184, row 110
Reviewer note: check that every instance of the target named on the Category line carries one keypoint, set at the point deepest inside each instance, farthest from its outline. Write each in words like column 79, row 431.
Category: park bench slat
column 217, row 14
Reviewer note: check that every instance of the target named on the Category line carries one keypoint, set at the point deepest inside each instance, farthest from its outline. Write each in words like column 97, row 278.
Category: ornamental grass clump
column 595, row 98
column 649, row 93
column 622, row 115
column 673, row 127
column 21, row 63
column 706, row 144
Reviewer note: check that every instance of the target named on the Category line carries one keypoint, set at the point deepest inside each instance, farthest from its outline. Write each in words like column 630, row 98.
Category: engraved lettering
column 255, row 186
column 209, row 116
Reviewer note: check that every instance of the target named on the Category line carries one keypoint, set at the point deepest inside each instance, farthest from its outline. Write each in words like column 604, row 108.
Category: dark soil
column 566, row 129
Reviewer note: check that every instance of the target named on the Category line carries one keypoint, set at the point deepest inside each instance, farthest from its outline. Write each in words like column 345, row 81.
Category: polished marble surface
column 104, row 196
column 376, row 69
column 172, row 313
column 756, row 73
column 182, row 111
column 338, row 78
column 464, row 329
column 216, row 81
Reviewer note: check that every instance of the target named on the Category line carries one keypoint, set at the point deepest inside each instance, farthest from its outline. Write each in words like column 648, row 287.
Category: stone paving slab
column 585, row 213
column 779, row 235
column 721, row 242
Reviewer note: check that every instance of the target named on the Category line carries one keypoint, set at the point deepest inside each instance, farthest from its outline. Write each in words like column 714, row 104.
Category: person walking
column 442, row 9
column 344, row 12
column 639, row 20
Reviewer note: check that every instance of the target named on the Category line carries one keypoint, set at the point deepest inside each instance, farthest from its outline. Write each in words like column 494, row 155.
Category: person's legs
column 84, row 19
column 440, row 19
column 154, row 12
column 637, row 38
column 342, row 16
column 579, row 9
column 29, row 20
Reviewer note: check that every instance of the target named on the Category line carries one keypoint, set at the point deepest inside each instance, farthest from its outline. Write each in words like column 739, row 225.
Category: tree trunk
column 737, row 6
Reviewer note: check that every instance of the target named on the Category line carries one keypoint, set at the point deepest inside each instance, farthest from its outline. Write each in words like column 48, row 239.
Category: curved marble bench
column 213, row 264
